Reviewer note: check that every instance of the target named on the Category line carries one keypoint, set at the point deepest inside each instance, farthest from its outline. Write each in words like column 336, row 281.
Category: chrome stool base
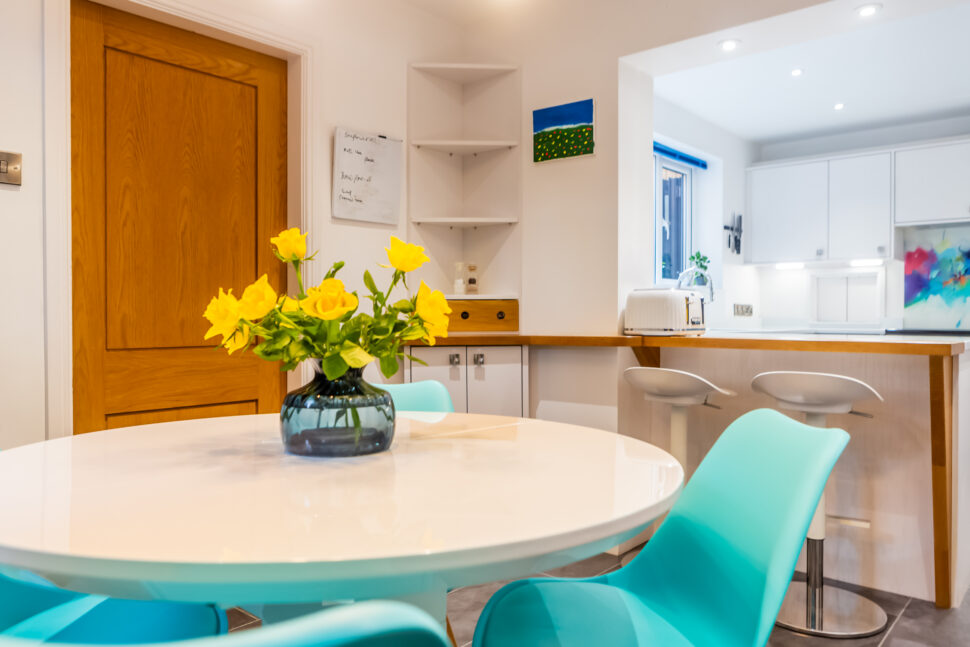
column 844, row 614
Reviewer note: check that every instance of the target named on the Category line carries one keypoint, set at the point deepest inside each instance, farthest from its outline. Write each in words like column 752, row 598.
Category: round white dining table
column 213, row 510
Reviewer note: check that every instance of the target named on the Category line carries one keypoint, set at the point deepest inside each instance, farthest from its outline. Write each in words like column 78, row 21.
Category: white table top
column 214, row 510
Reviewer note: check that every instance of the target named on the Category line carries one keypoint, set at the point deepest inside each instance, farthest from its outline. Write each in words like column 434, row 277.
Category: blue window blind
column 678, row 156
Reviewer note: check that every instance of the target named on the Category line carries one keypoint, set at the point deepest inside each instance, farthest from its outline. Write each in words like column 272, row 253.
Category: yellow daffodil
column 238, row 340
column 432, row 307
column 329, row 300
column 290, row 244
column 223, row 313
column 405, row 256
column 289, row 304
column 257, row 300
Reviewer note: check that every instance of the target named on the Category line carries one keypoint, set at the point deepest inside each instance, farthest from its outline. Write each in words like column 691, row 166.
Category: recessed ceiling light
column 839, row 106
column 868, row 10
column 797, row 72
column 729, row 45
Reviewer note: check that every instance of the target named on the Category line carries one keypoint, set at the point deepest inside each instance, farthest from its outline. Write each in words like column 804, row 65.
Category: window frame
column 660, row 163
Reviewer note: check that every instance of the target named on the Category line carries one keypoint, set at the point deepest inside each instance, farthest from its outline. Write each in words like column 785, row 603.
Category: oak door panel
column 178, row 182
column 187, row 413
column 181, row 198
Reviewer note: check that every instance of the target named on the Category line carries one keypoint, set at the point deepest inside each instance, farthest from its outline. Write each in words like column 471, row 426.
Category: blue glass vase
column 342, row 417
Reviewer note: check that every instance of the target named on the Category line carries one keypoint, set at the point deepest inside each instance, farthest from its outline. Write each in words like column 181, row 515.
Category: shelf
column 480, row 297
column 465, row 146
column 464, row 222
column 463, row 72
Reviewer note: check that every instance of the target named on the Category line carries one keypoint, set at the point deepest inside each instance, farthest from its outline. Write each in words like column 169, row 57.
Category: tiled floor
column 912, row 623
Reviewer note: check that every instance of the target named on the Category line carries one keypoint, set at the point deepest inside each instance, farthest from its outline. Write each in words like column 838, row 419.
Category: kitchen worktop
column 890, row 344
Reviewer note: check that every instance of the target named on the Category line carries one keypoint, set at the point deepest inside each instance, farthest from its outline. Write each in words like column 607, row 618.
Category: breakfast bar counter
column 942, row 363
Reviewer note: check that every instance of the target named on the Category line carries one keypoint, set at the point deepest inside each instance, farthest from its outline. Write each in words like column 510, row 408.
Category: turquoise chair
column 36, row 610
column 715, row 572
column 377, row 623
column 427, row 395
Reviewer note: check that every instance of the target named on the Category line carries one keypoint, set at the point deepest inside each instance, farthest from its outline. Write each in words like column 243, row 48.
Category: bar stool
column 816, row 608
column 680, row 390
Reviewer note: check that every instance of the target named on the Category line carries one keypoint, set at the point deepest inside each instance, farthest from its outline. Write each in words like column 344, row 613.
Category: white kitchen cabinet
column 860, row 207
column 933, row 183
column 480, row 379
column 789, row 212
column 447, row 365
column 495, row 380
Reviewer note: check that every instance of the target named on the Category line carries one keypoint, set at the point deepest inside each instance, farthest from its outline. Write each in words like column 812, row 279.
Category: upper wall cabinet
column 860, row 204
column 789, row 212
column 933, row 184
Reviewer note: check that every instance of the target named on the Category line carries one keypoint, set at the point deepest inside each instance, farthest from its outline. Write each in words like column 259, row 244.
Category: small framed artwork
column 562, row 131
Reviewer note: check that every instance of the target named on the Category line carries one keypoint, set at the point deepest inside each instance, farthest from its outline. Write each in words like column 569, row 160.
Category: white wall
column 22, row 386
column 864, row 138
column 718, row 192
column 583, row 246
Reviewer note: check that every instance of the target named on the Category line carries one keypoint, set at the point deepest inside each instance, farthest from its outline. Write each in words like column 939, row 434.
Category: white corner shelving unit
column 464, row 168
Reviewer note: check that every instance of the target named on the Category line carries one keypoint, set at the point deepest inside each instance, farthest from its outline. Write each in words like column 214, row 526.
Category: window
column 672, row 217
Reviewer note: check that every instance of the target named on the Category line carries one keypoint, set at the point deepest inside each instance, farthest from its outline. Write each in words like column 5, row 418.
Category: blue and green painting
column 937, row 278
column 562, row 131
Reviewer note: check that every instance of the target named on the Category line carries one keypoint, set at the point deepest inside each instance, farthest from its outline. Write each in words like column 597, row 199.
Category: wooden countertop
column 892, row 344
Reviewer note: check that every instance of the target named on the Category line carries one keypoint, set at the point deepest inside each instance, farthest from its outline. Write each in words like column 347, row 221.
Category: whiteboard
column 366, row 177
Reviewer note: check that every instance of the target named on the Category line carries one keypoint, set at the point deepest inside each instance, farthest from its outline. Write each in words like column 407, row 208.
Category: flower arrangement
column 324, row 322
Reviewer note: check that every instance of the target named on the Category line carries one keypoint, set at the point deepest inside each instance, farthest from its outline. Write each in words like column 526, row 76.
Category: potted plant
column 337, row 413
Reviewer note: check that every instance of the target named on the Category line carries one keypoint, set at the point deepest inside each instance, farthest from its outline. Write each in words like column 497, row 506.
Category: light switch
column 10, row 164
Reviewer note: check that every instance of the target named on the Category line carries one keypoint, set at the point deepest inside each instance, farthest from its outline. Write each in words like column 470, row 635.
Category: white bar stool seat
column 815, row 608
column 679, row 389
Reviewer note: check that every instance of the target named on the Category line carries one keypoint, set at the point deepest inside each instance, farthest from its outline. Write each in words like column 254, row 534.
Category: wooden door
column 178, row 183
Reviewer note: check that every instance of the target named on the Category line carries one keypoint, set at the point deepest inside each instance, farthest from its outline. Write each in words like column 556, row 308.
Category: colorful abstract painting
column 562, row 131
column 937, row 278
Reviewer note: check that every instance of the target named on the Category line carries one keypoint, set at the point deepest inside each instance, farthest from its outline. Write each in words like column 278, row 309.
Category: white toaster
column 664, row 311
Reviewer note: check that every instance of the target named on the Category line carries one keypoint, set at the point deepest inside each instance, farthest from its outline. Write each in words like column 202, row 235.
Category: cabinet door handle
column 819, row 251
column 454, row 359
column 479, row 359
column 881, row 249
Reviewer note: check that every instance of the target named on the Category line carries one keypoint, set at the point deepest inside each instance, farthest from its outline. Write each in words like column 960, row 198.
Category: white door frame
column 57, row 162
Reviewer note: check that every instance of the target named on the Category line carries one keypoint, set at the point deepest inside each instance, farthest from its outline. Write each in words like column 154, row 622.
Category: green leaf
column 355, row 356
column 334, row 366
column 369, row 282
column 404, row 305
column 389, row 365
column 334, row 269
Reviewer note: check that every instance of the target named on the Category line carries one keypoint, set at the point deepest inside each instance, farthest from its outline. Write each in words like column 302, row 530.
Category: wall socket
column 743, row 310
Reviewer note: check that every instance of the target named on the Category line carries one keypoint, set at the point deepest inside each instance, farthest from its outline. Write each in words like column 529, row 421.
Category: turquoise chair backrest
column 427, row 395
column 377, row 623
column 719, row 565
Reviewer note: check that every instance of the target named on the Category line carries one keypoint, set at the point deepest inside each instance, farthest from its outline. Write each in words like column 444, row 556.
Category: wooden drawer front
column 478, row 315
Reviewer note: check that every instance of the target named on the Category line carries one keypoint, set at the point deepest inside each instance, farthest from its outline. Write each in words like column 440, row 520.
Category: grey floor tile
column 465, row 605
column 240, row 619
column 924, row 625
column 595, row 565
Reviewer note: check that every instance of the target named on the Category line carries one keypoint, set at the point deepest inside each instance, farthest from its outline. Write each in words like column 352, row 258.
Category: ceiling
column 906, row 70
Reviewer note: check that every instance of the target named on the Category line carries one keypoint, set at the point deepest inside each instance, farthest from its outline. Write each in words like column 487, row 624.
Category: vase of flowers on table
column 337, row 413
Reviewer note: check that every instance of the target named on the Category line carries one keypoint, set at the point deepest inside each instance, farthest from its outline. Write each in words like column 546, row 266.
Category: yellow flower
column 329, row 300
column 432, row 307
column 238, row 340
column 223, row 313
column 405, row 256
column 289, row 304
column 257, row 300
column 290, row 244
